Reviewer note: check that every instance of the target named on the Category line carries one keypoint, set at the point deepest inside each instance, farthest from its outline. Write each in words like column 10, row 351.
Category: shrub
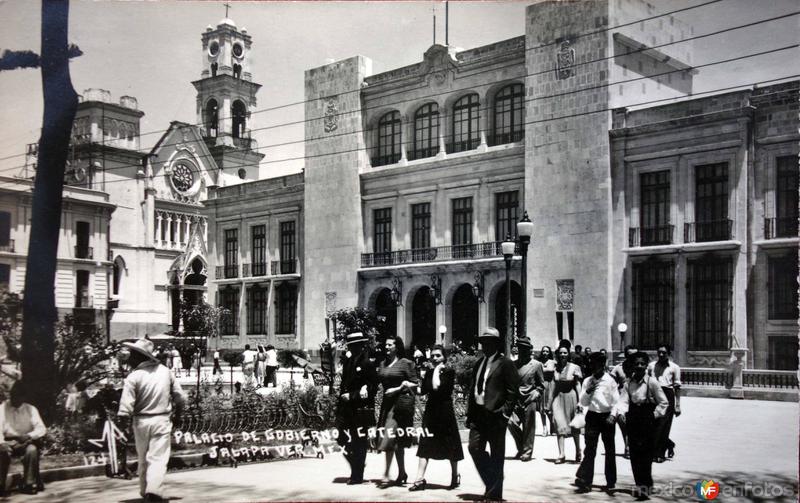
column 463, row 364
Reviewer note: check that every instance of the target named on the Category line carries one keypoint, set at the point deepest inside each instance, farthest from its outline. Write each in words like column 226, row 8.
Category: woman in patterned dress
column 398, row 376
column 564, row 401
column 549, row 368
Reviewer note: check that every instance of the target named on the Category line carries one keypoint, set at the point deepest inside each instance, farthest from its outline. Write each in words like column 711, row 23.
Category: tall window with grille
column 709, row 299
column 288, row 252
column 257, row 310
column 5, row 232
column 782, row 286
column 462, row 227
column 655, row 228
column 786, row 197
column 5, row 275
column 653, row 303
column 426, row 131
column 259, row 249
column 389, row 140
column 82, row 234
column 231, row 259
column 382, row 235
column 507, row 214
column 286, row 308
column 420, row 226
column 509, row 114
column 466, row 124
column 711, row 204
column 229, row 300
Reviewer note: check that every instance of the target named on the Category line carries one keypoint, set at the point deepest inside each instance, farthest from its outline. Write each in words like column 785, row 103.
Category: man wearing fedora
column 149, row 396
column 493, row 394
column 531, row 386
column 355, row 410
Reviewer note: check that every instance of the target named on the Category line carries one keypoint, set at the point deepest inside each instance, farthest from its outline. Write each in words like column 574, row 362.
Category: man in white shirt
column 599, row 395
column 668, row 374
column 217, row 367
column 248, row 366
column 150, row 395
column 21, row 428
column 272, row 365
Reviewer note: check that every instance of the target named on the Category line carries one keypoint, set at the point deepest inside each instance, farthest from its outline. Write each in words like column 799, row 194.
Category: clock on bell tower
column 226, row 97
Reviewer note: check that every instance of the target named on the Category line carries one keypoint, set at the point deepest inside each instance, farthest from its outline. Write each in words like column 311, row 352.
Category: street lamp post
column 622, row 328
column 508, row 254
column 524, row 231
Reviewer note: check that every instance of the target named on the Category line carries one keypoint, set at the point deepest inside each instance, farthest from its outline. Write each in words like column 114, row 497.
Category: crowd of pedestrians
column 572, row 393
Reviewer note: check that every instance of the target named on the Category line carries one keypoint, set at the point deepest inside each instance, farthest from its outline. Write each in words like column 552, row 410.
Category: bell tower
column 226, row 97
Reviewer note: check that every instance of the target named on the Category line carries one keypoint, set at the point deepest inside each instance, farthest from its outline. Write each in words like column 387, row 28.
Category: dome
column 227, row 21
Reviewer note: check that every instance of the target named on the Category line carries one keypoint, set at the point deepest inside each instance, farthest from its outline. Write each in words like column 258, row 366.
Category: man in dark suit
column 522, row 425
column 493, row 394
column 356, row 406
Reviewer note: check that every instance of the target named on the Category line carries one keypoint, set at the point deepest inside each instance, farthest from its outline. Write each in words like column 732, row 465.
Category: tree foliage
column 202, row 320
column 357, row 319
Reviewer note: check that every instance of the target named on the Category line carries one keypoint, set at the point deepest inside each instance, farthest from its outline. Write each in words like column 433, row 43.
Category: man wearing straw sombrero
column 150, row 395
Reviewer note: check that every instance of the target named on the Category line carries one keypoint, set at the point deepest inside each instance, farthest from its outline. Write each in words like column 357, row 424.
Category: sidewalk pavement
column 734, row 442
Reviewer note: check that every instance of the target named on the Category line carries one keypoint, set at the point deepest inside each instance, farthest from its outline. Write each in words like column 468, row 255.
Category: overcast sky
column 152, row 51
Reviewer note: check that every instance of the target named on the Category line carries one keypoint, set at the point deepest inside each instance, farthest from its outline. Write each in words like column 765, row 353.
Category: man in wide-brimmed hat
column 150, row 395
column 356, row 406
column 522, row 424
column 492, row 396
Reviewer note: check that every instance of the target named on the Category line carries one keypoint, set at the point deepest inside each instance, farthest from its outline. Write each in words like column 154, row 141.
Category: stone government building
column 677, row 218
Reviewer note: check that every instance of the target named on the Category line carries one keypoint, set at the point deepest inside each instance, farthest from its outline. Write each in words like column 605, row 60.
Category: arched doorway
column 386, row 309
column 500, row 309
column 465, row 317
column 423, row 322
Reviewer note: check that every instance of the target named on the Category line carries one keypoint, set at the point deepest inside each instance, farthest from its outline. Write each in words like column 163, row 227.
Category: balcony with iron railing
column 385, row 160
column 508, row 137
column 711, row 230
column 434, row 254
column 651, row 236
column 84, row 252
column 253, row 270
column 8, row 246
column 228, row 271
column 780, row 227
column 283, row 267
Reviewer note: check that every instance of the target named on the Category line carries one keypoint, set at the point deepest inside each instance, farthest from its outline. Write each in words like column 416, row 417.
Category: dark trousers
column 217, row 368
column 30, row 464
column 664, row 426
column 271, row 376
column 597, row 427
column 355, row 452
column 641, row 441
column 488, row 428
column 522, row 427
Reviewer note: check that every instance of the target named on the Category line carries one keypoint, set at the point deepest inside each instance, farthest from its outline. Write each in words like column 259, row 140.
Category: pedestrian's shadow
column 471, row 497
column 140, row 500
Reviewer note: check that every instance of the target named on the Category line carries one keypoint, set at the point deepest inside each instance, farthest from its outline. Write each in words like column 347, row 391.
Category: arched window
column 509, row 114
column 239, row 116
column 119, row 268
column 214, row 67
column 388, row 140
column 466, row 124
column 426, row 131
column 237, row 71
column 212, row 117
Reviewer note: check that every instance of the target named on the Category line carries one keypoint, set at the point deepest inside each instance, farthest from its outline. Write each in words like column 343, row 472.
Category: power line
column 569, row 116
column 287, row 105
column 411, row 142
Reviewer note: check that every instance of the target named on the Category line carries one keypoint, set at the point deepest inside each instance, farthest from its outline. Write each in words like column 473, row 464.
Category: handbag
column 579, row 421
